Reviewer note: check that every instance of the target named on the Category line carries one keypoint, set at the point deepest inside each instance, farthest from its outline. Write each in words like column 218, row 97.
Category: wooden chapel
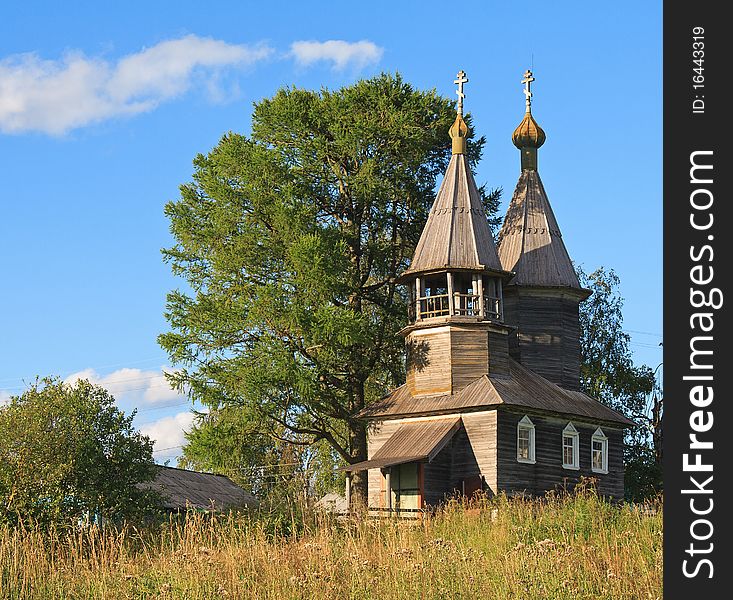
column 491, row 400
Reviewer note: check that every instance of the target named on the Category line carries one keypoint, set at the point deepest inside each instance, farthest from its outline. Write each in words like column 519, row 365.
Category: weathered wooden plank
column 429, row 361
column 548, row 337
column 548, row 473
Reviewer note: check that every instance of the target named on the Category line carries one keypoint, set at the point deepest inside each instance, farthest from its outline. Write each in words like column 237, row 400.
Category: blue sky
column 104, row 105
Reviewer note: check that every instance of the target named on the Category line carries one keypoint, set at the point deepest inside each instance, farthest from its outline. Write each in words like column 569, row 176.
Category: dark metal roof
column 412, row 442
column 522, row 388
column 457, row 233
column 182, row 489
column 530, row 242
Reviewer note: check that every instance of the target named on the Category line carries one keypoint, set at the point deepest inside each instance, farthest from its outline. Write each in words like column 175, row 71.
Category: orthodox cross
column 461, row 79
column 527, row 81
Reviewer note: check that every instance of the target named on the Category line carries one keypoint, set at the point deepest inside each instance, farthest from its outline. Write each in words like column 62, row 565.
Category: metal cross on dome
column 527, row 81
column 461, row 79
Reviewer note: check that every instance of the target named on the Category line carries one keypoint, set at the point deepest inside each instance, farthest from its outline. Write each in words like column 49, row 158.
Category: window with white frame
column 570, row 447
column 599, row 452
column 525, row 440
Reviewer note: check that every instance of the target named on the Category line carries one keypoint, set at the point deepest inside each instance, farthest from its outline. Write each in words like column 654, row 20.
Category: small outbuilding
column 190, row 490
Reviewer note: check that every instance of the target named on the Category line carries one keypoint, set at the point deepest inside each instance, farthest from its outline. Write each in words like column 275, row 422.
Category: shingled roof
column 182, row 489
column 457, row 233
column 522, row 388
column 530, row 242
column 411, row 442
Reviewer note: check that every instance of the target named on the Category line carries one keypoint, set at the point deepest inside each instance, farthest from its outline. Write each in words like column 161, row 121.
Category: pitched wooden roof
column 182, row 489
column 530, row 242
column 457, row 233
column 412, row 442
column 522, row 388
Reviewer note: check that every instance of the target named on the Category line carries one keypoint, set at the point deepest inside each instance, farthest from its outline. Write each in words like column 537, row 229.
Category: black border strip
column 691, row 256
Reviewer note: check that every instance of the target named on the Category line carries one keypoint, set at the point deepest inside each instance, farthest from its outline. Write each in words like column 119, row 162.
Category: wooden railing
column 401, row 513
column 493, row 308
column 433, row 306
column 466, row 305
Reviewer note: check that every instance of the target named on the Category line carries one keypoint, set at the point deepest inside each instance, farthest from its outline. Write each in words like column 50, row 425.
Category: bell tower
column 543, row 298
column 456, row 281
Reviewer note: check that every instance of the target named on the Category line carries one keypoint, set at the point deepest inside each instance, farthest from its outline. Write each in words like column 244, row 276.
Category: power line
column 122, row 364
column 642, row 332
column 107, row 383
column 169, row 448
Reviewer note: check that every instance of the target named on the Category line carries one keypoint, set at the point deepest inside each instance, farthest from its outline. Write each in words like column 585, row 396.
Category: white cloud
column 338, row 52
column 4, row 398
column 168, row 433
column 56, row 96
column 133, row 387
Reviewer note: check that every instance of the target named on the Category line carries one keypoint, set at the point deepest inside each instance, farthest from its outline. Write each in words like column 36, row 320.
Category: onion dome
column 458, row 133
column 528, row 134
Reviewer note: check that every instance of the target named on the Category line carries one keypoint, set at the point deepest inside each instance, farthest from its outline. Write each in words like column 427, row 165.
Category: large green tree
column 66, row 451
column 608, row 373
column 290, row 241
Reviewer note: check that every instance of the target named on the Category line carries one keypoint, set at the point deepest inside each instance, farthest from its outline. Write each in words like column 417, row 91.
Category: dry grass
column 577, row 547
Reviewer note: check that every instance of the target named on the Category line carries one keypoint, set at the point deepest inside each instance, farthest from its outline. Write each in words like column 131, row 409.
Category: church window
column 525, row 440
column 599, row 452
column 570, row 447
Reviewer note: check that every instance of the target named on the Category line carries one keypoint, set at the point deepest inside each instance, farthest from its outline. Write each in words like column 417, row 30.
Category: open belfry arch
column 493, row 355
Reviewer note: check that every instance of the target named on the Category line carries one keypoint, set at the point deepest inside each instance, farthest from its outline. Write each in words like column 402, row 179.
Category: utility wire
column 122, row 364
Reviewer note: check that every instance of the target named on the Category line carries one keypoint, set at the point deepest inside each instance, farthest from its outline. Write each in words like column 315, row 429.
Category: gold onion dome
column 528, row 134
column 458, row 133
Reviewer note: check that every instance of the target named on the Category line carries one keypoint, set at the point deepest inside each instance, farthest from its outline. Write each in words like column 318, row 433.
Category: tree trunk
column 359, row 482
column 358, row 448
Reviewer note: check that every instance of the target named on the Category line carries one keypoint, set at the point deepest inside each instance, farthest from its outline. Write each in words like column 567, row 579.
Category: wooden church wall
column 472, row 452
column 446, row 359
column 379, row 432
column 469, row 355
column 548, row 472
column 429, row 361
column 481, row 430
column 498, row 353
column 548, row 339
column 439, row 478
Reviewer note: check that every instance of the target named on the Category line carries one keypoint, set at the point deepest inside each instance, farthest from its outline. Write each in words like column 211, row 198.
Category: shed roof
column 182, row 489
column 530, row 242
column 412, row 442
column 522, row 388
column 457, row 233
column 333, row 503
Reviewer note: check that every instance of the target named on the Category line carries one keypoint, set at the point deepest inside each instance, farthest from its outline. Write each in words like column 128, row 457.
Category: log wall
column 548, row 473
column 444, row 360
column 547, row 340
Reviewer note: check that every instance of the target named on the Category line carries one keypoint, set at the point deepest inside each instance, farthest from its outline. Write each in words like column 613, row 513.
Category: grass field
column 573, row 547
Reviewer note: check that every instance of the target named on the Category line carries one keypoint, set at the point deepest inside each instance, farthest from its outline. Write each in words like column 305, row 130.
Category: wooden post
column 420, row 484
column 451, row 310
column 500, row 296
column 348, row 493
column 388, row 485
column 480, row 292
column 418, row 295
